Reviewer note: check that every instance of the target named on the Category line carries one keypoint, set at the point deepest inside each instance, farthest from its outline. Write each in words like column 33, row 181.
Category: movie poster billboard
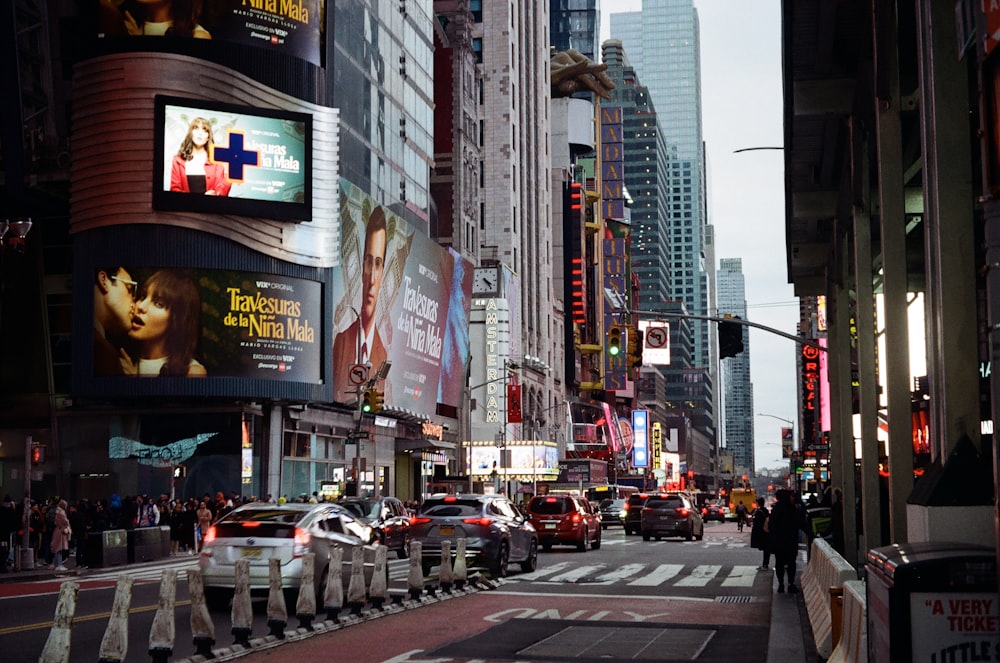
column 206, row 323
column 400, row 298
column 290, row 27
column 219, row 158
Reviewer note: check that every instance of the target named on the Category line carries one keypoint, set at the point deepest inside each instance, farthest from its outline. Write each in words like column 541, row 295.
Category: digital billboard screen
column 218, row 158
column 206, row 323
column 292, row 27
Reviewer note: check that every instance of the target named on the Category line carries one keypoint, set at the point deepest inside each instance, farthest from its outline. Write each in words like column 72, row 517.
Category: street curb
column 263, row 643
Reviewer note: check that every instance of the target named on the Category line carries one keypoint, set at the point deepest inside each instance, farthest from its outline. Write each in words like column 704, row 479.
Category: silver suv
column 671, row 514
column 495, row 532
column 258, row 532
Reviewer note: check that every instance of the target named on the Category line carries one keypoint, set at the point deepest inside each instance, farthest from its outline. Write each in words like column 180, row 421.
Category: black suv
column 671, row 514
column 388, row 519
column 633, row 512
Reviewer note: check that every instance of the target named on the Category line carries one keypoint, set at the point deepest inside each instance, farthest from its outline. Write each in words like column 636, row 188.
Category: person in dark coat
column 9, row 523
column 784, row 525
column 759, row 536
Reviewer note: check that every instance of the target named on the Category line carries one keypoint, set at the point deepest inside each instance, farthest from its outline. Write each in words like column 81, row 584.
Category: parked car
column 713, row 511
column 565, row 520
column 671, row 514
column 612, row 513
column 388, row 519
column 633, row 512
column 495, row 532
column 258, row 532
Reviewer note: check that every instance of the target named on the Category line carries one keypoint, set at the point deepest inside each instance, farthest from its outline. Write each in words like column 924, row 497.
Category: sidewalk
column 790, row 639
column 43, row 572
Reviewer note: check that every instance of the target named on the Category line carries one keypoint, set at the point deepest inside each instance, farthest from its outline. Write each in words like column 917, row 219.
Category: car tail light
column 209, row 536
column 250, row 523
column 482, row 521
column 682, row 511
column 576, row 518
column 704, row 512
column 301, row 544
column 419, row 520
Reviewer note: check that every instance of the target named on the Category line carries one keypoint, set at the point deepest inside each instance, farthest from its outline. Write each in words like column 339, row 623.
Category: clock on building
column 486, row 281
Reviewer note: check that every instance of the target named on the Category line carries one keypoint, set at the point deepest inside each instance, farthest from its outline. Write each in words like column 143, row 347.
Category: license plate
column 550, row 525
column 447, row 530
column 250, row 553
column 664, row 517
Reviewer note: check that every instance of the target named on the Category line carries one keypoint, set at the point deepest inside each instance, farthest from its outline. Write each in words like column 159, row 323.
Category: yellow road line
column 84, row 618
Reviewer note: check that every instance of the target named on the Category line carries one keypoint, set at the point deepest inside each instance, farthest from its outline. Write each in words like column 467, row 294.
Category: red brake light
column 550, row 499
column 209, row 535
column 576, row 517
column 682, row 511
column 482, row 521
column 302, row 537
column 250, row 523
column 451, row 498
column 415, row 520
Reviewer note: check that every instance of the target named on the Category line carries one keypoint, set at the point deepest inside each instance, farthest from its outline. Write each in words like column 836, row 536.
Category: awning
column 403, row 444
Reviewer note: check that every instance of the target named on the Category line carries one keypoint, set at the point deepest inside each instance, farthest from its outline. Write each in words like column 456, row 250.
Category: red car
column 565, row 520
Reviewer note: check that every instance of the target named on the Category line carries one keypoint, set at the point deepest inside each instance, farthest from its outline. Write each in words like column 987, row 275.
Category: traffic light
column 378, row 400
column 615, row 340
column 730, row 339
column 368, row 400
column 634, row 344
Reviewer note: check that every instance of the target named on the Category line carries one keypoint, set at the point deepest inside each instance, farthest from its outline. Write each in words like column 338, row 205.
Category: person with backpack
column 741, row 515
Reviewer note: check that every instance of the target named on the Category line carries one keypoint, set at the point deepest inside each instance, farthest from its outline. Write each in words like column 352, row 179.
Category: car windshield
column 365, row 509
column 450, row 509
column 664, row 503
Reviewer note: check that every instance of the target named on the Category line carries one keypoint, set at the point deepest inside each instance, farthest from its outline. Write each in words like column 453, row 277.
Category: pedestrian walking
column 61, row 535
column 784, row 525
column 741, row 515
column 759, row 534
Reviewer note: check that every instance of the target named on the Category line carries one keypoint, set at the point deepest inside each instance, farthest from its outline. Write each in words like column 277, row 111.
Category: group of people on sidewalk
column 778, row 532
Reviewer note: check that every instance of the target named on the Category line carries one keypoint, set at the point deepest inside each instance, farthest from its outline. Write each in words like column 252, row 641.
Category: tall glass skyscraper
column 738, row 390
column 662, row 44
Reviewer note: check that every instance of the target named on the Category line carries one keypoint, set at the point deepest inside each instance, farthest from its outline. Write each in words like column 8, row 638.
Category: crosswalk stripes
column 642, row 575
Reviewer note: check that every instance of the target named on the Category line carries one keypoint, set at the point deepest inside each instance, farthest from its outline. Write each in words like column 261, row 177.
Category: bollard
column 461, row 570
column 415, row 580
column 161, row 634
column 356, row 587
column 378, row 592
column 277, row 613
column 333, row 597
column 202, row 627
column 242, row 608
column 56, row 648
column 445, row 574
column 114, row 645
column 305, row 605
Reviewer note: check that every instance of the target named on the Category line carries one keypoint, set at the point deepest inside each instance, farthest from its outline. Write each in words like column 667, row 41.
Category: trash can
column 144, row 544
column 938, row 599
column 107, row 548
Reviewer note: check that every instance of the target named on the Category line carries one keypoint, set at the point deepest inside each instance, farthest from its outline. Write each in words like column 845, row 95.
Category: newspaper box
column 933, row 602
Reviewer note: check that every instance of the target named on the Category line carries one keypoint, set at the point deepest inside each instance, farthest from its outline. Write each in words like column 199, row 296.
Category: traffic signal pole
column 657, row 315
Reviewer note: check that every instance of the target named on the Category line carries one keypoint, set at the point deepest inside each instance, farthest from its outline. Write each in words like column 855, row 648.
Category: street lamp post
column 791, row 461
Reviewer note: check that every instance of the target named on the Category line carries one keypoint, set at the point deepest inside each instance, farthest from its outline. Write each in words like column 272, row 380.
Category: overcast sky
column 742, row 108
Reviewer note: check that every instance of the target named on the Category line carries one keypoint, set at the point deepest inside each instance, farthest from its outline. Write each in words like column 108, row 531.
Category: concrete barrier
column 333, row 597
column 378, row 591
column 162, row 632
column 356, row 588
column 202, row 626
column 277, row 613
column 415, row 579
column 853, row 645
column 114, row 644
column 826, row 569
column 446, row 575
column 461, row 569
column 56, row 648
column 305, row 604
column 242, row 612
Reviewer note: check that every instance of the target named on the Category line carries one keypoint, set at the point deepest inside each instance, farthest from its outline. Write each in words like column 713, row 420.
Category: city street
column 696, row 600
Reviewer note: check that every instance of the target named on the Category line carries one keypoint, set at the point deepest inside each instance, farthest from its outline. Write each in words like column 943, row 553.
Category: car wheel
column 596, row 543
column 688, row 536
column 404, row 550
column 582, row 545
column 500, row 564
column 217, row 598
column 531, row 563
column 646, row 536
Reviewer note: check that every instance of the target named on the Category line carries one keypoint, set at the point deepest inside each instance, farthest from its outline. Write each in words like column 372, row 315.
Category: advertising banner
column 218, row 158
column 291, row 27
column 206, row 323
column 400, row 298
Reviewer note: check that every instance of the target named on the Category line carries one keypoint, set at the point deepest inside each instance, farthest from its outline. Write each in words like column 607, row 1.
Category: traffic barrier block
column 242, row 612
column 446, row 576
column 202, row 626
column 415, row 579
column 114, row 644
column 826, row 569
column 460, row 569
column 333, row 597
column 56, row 648
column 378, row 592
column 305, row 605
column 356, row 586
column 277, row 613
column 162, row 632
column 853, row 645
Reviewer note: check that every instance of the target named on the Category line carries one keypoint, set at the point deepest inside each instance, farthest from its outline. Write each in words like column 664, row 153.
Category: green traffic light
column 614, row 350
